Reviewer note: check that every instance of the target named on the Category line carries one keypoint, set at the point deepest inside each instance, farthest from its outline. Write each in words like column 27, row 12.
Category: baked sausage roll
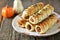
column 41, row 14
column 32, row 9
column 30, row 26
column 21, row 22
column 46, row 24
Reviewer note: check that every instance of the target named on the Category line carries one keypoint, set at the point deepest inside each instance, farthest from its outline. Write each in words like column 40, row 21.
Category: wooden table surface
column 8, row 33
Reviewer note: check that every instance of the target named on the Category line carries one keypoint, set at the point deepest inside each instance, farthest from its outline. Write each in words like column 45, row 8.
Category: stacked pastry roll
column 46, row 24
column 43, row 26
column 41, row 14
column 40, row 18
column 28, row 12
column 32, row 9
column 22, row 22
column 29, row 26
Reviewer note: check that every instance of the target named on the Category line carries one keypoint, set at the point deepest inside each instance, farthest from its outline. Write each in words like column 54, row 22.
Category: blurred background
column 26, row 3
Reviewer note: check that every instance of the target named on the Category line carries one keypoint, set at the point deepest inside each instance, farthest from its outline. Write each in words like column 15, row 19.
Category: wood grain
column 8, row 33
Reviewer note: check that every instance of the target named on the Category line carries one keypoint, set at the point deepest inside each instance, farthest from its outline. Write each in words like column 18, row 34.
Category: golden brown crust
column 30, row 26
column 32, row 9
column 47, row 23
column 22, row 22
column 42, row 14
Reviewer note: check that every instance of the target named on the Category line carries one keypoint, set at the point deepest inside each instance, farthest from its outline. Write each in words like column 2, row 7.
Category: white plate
column 52, row 31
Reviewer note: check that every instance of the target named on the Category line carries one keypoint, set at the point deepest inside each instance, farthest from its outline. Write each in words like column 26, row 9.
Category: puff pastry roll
column 21, row 22
column 41, row 14
column 32, row 9
column 30, row 26
column 46, row 24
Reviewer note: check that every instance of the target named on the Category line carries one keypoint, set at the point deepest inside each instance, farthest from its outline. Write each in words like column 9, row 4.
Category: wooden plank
column 26, row 37
column 53, row 37
column 6, row 29
column 15, row 35
column 8, row 33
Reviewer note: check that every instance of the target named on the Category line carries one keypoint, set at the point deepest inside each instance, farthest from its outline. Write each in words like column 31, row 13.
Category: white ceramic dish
column 52, row 31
